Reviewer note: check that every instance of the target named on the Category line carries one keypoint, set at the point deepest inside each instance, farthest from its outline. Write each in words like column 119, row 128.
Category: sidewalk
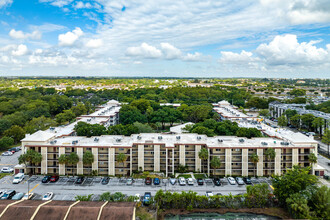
column 324, row 182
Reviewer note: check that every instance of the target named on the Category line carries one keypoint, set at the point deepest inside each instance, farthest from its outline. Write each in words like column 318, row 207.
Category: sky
column 186, row 38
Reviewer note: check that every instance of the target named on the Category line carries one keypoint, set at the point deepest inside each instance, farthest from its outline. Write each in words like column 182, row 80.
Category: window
column 88, row 148
column 67, row 148
column 250, row 149
column 218, row 150
column 186, row 146
column 121, row 149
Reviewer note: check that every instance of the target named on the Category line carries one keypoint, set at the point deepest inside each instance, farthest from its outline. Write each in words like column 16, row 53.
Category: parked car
column 137, row 197
column 28, row 196
column 1, row 193
column 48, row 196
column 80, row 180
column 105, row 180
column 190, row 181
column 217, row 181
column 247, row 180
column 45, row 179
column 7, row 170
column 7, row 153
column 231, row 180
column 239, row 181
column 173, row 181
column 182, row 181
column 147, row 198
column 17, row 196
column 209, row 193
column 129, row 181
column 54, row 179
column 18, row 178
column 8, row 194
column 148, row 181
column 14, row 149
column 219, row 194
column 200, row 182
column 156, row 181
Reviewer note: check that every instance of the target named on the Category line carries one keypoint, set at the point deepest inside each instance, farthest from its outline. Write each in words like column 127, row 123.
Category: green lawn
column 200, row 176
column 4, row 174
column 186, row 176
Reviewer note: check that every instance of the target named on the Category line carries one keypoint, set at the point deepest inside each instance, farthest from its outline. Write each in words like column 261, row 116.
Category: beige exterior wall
column 80, row 152
column 198, row 162
column 245, row 162
column 260, row 164
column 156, row 158
column 61, row 150
column 278, row 162
column 295, row 157
column 44, row 160
column 95, row 164
column 182, row 153
column 111, row 161
column 141, row 156
column 228, row 162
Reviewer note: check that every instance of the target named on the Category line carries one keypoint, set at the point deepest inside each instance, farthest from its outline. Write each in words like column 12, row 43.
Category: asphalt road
column 9, row 161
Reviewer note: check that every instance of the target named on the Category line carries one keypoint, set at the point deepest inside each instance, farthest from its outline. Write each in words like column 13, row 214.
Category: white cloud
column 35, row 35
column 69, row 38
column 4, row 3
column 94, row 43
column 21, row 50
column 286, row 50
column 230, row 57
column 80, row 5
column 57, row 3
column 170, row 52
column 144, row 50
column 193, row 57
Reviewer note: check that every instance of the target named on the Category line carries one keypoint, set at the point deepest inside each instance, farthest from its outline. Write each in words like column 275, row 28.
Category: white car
column 231, row 180
column 18, row 178
column 7, row 153
column 182, row 181
column 190, row 181
column 173, row 181
column 209, row 194
column 27, row 196
column 48, row 196
column 7, row 170
column 137, row 197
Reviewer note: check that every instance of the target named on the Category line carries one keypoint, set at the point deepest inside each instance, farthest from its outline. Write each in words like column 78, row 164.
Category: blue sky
column 187, row 38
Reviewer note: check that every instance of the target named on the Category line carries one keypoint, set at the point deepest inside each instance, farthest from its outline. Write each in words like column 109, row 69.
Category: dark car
column 247, row 180
column 105, row 180
column 147, row 198
column 148, row 181
column 200, row 182
column 54, row 179
column 156, row 181
column 217, row 181
column 8, row 195
column 45, row 179
column 14, row 149
column 80, row 180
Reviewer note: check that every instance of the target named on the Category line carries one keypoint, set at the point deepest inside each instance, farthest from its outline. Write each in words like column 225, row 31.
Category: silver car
column 182, row 181
column 231, row 180
column 173, row 181
column 239, row 181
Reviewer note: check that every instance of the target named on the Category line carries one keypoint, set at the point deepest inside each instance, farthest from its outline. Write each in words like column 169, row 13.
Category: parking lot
column 66, row 188
column 9, row 161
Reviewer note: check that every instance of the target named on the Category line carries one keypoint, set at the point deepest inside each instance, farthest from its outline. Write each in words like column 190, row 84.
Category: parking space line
column 34, row 188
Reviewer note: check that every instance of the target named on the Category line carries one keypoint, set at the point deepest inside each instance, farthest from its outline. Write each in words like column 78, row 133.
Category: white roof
column 180, row 128
column 39, row 136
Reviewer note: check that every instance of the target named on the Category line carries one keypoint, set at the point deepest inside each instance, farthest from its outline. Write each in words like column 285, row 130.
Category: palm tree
column 270, row 154
column 312, row 160
column 88, row 158
column 318, row 123
column 254, row 158
column 72, row 159
column 31, row 157
column 121, row 158
column 326, row 138
column 215, row 163
column 203, row 154
column 63, row 159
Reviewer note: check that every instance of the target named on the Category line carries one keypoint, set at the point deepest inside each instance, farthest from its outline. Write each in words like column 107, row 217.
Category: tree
column 203, row 130
column 312, row 158
column 298, row 92
column 88, row 158
column 318, row 123
column 270, row 154
column 248, row 132
column 121, row 158
column 282, row 121
column 80, row 109
column 264, row 112
column 41, row 123
column 72, row 160
column 289, row 113
column 4, row 125
column 30, row 157
column 326, row 138
column 66, row 116
column 254, row 158
column 215, row 163
column 86, row 129
column 142, row 128
column 320, row 202
column 182, row 168
column 293, row 181
column 5, row 143
column 295, row 120
column 307, row 120
column 297, row 206
column 84, row 198
column 203, row 154
column 15, row 132
column 63, row 159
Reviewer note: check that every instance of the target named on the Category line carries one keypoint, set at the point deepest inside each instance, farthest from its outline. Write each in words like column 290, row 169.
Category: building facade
column 165, row 152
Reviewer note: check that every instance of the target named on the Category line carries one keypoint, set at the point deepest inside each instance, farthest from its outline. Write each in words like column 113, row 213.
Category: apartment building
column 226, row 111
column 164, row 152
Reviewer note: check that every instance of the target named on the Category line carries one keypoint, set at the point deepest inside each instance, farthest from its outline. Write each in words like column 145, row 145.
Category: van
column 18, row 178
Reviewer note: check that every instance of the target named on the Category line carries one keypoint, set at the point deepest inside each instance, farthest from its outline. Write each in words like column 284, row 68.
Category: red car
column 54, row 178
column 148, row 181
